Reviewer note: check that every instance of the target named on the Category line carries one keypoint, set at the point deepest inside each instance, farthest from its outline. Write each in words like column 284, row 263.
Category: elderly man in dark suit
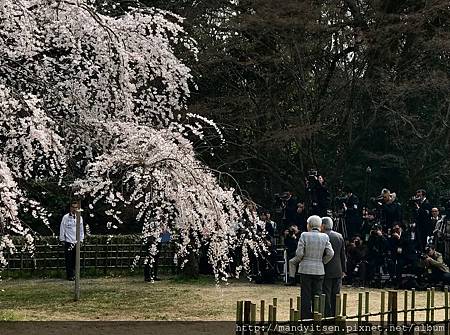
column 334, row 269
column 313, row 251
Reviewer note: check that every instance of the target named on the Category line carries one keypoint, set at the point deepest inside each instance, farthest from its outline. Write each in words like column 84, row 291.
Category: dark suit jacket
column 338, row 264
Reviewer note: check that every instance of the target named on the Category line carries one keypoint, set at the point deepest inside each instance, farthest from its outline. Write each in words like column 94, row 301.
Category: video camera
column 339, row 201
column 414, row 200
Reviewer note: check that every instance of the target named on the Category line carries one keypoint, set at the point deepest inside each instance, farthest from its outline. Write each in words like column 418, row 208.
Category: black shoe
column 71, row 278
column 157, row 279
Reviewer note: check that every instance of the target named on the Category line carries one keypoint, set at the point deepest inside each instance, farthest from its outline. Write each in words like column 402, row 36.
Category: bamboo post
column 239, row 310
column 316, row 304
column 446, row 309
column 322, row 305
column 366, row 307
column 382, row 310
column 413, row 304
column 291, row 315
column 296, row 315
column 344, row 304
column 253, row 316
column 270, row 316
column 77, row 252
column 405, row 308
column 360, row 301
column 337, row 312
column 432, row 305
column 428, row 305
column 291, row 303
column 247, row 307
column 274, row 315
column 262, row 311
column 392, row 306
column 298, row 304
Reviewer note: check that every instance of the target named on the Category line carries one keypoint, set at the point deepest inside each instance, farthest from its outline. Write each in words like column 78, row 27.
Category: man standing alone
column 335, row 268
column 67, row 234
column 314, row 250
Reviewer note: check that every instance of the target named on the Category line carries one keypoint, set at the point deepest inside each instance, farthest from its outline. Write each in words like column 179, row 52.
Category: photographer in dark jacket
column 352, row 213
column 377, row 248
column 317, row 189
column 422, row 218
column 390, row 211
column 402, row 252
column 436, row 268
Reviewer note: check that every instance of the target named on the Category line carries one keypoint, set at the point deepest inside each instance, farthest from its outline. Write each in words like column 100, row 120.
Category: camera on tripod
column 414, row 200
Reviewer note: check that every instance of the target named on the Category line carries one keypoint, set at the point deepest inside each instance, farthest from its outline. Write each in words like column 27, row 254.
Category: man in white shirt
column 67, row 234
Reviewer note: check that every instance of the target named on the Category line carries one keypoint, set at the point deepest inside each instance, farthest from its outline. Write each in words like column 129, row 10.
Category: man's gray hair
column 327, row 223
column 314, row 222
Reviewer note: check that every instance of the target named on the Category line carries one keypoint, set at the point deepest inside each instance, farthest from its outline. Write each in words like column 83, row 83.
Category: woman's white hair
column 314, row 222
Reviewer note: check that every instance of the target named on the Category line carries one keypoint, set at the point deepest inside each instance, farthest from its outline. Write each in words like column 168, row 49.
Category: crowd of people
column 381, row 249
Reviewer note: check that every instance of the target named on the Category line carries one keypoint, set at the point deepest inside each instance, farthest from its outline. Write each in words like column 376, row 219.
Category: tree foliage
column 98, row 98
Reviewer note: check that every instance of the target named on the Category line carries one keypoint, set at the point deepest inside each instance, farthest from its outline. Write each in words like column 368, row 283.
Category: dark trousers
column 310, row 286
column 151, row 271
column 331, row 287
column 69, row 254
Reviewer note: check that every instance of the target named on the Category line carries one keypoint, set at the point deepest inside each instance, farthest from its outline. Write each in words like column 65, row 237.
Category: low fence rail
column 97, row 252
column 388, row 320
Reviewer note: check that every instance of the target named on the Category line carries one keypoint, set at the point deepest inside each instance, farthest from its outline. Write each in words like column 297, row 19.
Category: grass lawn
column 130, row 298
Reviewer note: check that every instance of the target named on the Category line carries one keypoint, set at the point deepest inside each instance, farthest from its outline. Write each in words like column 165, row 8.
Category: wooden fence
column 389, row 319
column 97, row 252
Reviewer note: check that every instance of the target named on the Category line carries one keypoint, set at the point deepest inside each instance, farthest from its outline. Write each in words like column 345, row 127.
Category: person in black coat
column 319, row 194
column 422, row 218
column 402, row 251
column 390, row 211
column 352, row 213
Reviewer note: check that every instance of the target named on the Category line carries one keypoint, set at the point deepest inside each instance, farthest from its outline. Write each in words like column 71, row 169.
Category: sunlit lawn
column 130, row 298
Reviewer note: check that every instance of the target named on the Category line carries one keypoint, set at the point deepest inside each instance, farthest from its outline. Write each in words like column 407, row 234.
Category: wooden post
column 270, row 318
column 432, row 305
column 360, row 301
column 247, row 307
column 239, row 310
column 291, row 315
column 316, row 305
column 298, row 305
column 262, row 311
column 253, row 316
column 382, row 310
column 296, row 315
column 337, row 312
column 344, row 305
column 322, row 305
column 291, row 303
column 392, row 306
column 413, row 304
column 428, row 305
column 446, row 309
column 275, row 300
column 366, row 307
column 405, row 308
column 77, row 252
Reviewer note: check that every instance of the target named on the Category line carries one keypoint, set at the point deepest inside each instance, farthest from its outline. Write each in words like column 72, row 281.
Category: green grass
column 130, row 298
